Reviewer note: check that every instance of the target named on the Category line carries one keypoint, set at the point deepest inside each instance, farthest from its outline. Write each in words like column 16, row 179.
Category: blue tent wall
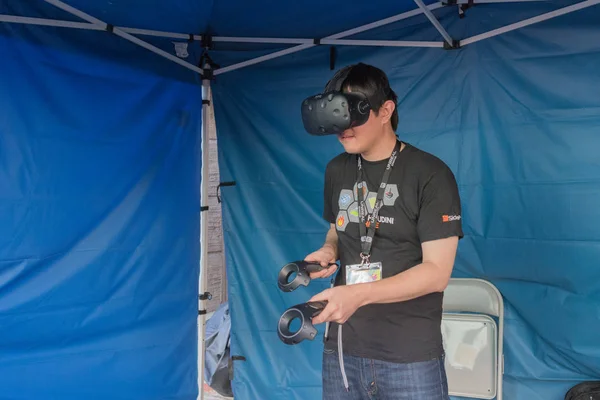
column 99, row 203
column 111, row 286
column 516, row 117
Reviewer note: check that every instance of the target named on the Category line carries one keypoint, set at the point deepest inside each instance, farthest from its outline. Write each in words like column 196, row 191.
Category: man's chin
column 350, row 149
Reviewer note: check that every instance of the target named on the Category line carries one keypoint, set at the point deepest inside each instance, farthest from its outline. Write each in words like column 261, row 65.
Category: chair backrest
column 475, row 360
column 473, row 295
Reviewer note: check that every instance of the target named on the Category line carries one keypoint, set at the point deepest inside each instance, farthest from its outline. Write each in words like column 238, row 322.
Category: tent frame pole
column 327, row 39
column 301, row 44
column 435, row 23
column 121, row 33
column 98, row 27
column 204, row 295
column 222, row 39
column 530, row 21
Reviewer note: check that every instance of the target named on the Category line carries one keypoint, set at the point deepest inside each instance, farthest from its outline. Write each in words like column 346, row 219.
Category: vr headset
column 332, row 112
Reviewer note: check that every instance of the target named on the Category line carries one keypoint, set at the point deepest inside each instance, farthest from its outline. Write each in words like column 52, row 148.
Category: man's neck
column 382, row 149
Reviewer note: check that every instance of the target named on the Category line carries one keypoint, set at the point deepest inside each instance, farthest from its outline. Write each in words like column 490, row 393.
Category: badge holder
column 364, row 272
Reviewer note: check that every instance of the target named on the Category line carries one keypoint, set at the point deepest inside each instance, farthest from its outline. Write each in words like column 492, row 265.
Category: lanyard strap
column 370, row 222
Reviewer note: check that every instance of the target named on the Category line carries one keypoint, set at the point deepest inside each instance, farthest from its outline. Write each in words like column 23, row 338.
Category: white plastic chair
column 473, row 340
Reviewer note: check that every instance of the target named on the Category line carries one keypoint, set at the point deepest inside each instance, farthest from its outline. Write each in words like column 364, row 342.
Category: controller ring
column 307, row 331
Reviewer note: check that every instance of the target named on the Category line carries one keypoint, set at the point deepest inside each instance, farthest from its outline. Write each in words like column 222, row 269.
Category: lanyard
column 366, row 238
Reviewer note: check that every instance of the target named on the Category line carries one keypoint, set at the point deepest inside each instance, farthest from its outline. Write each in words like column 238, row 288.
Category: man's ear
column 386, row 111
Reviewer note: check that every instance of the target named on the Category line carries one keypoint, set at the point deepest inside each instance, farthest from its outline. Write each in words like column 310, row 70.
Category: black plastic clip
column 455, row 45
column 232, row 183
column 332, row 57
column 207, row 73
column 205, row 296
column 231, row 360
column 207, row 42
column 464, row 7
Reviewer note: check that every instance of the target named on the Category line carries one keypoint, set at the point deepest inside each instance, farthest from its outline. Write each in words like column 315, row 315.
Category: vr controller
column 333, row 112
column 305, row 312
column 302, row 269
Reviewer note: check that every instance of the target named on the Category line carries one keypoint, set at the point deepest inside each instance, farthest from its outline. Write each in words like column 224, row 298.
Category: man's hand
column 324, row 256
column 342, row 302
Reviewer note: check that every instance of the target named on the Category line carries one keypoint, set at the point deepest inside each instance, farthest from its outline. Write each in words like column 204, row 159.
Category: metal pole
column 339, row 35
column 204, row 228
column 435, row 22
column 530, row 21
column 124, row 35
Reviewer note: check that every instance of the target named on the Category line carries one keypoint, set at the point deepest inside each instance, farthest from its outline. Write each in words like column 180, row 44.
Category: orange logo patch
column 449, row 218
column 340, row 221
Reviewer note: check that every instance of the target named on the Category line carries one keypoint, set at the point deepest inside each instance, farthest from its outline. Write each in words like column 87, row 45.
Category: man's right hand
column 324, row 256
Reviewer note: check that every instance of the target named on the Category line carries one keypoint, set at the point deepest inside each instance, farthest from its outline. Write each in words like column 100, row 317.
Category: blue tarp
column 99, row 188
column 99, row 232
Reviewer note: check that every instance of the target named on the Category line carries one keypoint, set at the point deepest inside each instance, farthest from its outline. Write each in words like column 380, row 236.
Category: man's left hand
column 342, row 302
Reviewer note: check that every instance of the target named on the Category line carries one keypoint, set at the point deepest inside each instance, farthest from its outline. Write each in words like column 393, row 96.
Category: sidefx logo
column 450, row 218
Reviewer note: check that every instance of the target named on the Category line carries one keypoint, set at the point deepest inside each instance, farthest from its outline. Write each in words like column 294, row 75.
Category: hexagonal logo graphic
column 363, row 185
column 346, row 197
column 371, row 198
column 353, row 212
column 390, row 195
column 342, row 220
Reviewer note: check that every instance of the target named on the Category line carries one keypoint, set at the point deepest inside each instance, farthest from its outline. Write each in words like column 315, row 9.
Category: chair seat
column 471, row 341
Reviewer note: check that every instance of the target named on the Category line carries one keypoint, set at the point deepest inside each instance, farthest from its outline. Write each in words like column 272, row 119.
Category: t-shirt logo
column 450, row 218
column 348, row 204
column 345, row 199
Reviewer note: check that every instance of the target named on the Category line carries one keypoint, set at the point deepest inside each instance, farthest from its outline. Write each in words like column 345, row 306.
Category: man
column 384, row 309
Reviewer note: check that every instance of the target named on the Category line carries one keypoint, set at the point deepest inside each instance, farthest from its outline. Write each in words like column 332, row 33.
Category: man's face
column 361, row 139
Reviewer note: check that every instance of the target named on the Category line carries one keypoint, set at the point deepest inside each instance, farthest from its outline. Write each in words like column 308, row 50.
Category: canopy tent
column 99, row 177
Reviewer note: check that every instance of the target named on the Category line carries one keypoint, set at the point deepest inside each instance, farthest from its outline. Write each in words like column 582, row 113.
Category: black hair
column 369, row 80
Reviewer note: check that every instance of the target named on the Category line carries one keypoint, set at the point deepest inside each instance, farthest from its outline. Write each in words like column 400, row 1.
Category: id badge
column 363, row 273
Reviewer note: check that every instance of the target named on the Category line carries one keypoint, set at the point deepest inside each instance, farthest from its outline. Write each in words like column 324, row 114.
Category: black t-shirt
column 421, row 203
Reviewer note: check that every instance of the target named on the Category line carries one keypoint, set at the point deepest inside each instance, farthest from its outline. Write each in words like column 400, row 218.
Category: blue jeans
column 379, row 380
